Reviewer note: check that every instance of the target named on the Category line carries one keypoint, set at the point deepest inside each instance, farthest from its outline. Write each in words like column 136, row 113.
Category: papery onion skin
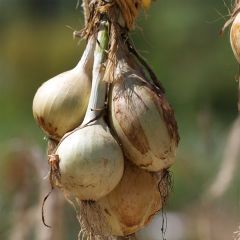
column 132, row 204
column 60, row 103
column 235, row 37
column 63, row 103
column 144, row 123
column 91, row 162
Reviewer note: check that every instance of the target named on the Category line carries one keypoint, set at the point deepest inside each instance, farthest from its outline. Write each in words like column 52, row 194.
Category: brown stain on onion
column 107, row 212
column 128, row 218
column 52, row 131
column 130, row 222
column 133, row 131
column 167, row 112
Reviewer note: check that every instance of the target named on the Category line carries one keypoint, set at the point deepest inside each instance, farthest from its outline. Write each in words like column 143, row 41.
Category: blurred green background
column 180, row 40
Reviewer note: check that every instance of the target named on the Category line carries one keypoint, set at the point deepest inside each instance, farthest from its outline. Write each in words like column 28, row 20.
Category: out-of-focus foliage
column 180, row 39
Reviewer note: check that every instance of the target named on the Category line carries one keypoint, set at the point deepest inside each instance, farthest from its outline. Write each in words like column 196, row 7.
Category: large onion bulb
column 132, row 204
column 91, row 162
column 60, row 103
column 142, row 119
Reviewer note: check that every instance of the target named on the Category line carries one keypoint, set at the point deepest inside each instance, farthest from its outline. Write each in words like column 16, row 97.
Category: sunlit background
column 181, row 41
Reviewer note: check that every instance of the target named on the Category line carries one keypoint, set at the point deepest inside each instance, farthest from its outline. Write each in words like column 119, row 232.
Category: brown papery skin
column 142, row 119
column 132, row 204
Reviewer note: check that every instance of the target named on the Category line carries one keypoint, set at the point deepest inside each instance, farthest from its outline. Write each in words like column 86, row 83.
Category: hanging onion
column 60, row 103
column 142, row 119
column 132, row 204
column 90, row 159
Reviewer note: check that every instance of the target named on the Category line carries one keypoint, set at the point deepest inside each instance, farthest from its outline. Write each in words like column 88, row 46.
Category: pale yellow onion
column 143, row 120
column 59, row 105
column 91, row 161
column 132, row 204
column 235, row 37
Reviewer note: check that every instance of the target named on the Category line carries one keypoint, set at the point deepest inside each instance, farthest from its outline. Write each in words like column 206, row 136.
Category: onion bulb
column 60, row 104
column 235, row 37
column 142, row 119
column 132, row 204
column 90, row 159
column 91, row 162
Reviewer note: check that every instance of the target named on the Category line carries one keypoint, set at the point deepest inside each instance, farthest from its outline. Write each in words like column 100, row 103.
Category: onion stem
column 99, row 87
column 87, row 57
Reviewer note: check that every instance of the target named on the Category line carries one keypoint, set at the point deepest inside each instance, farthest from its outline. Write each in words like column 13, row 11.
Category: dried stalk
column 228, row 168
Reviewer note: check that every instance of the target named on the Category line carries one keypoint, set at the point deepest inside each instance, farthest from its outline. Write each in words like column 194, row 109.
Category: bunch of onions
column 141, row 117
column 114, row 131
column 91, row 161
column 60, row 104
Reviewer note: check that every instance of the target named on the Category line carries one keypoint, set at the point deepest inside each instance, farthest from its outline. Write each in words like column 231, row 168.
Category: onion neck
column 99, row 87
column 86, row 60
